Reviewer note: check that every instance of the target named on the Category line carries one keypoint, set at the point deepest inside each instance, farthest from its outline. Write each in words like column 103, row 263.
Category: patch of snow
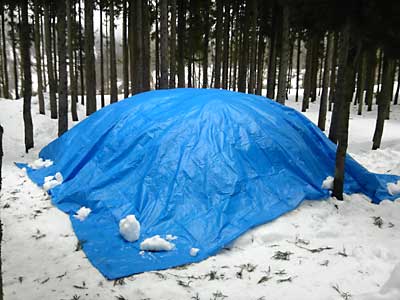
column 52, row 181
column 40, row 163
column 156, row 243
column 394, row 188
column 170, row 237
column 194, row 251
column 327, row 184
column 82, row 213
column 129, row 228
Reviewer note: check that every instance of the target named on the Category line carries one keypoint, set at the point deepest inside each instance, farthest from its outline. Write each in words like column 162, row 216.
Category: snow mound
column 129, row 228
column 82, row 213
column 52, row 181
column 327, row 184
column 156, row 243
column 194, row 251
column 394, row 188
column 40, row 163
column 170, row 237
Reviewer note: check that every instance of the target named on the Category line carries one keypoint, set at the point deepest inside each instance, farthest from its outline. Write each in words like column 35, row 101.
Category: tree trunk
column 396, row 97
column 113, row 60
column 225, row 54
column 43, row 53
column 146, row 45
column 82, row 81
column 14, row 46
column 253, row 47
column 325, row 83
column 283, row 65
column 26, row 64
column 205, row 43
column 125, row 57
column 181, row 42
column 102, row 100
column 260, row 64
column 164, row 43
column 172, row 47
column 50, row 71
column 361, row 84
column 307, row 76
column 72, row 81
column 272, row 58
column 38, row 58
column 314, row 67
column 132, row 44
column 138, row 86
column 157, row 46
column 6, row 91
column 298, row 67
column 62, row 68
column 383, row 101
column 218, row 45
column 345, row 87
column 55, row 58
column 333, row 72
column 380, row 70
column 90, row 65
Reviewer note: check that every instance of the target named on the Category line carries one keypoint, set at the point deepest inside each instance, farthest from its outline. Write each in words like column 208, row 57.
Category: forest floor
column 322, row 250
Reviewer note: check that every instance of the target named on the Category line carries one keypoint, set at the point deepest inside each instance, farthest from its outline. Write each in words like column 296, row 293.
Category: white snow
column 40, row 163
column 194, row 251
column 40, row 261
column 52, row 181
column 170, row 237
column 82, row 213
column 327, row 184
column 129, row 228
column 156, row 243
column 394, row 188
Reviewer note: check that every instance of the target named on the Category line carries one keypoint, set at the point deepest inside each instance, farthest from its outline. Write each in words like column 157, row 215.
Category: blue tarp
column 201, row 164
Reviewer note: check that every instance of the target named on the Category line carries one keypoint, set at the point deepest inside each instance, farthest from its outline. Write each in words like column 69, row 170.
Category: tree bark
column 225, row 54
column 125, row 57
column 283, row 65
column 314, row 67
column 333, row 72
column 260, row 64
column 164, row 44
column 172, row 47
column 50, row 70
column 102, row 100
column 14, row 46
column 72, row 81
column 205, row 43
column 6, row 91
column 113, row 61
column 42, row 49
column 244, row 52
column 253, row 47
column 325, row 83
column 271, row 80
column 361, row 84
column 181, row 42
column 383, row 101
column 82, row 81
column 298, row 67
column 38, row 59
column 90, row 65
column 218, row 45
column 138, row 84
column 307, row 76
column 146, row 45
column 26, row 64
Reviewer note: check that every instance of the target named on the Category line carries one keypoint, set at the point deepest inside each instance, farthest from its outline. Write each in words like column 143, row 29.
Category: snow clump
column 170, row 237
column 156, row 243
column 327, row 184
column 40, row 163
column 394, row 188
column 129, row 228
column 194, row 251
column 52, row 181
column 82, row 213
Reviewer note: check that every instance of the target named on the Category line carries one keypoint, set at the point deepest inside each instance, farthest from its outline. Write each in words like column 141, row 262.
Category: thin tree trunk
column 14, row 46
column 72, row 81
column 139, row 48
column 298, row 67
column 181, row 42
column 38, row 59
column 81, row 54
column 125, row 65
column 102, row 100
column 283, row 65
column 260, row 63
column 325, row 83
column 132, row 44
column 90, row 65
column 50, row 71
column 396, row 97
column 6, row 91
column 225, row 54
column 164, row 44
column 157, row 46
column 307, row 76
column 361, row 85
column 253, row 47
column 332, row 83
column 172, row 47
column 218, row 45
column 43, row 53
column 113, row 60
column 205, row 43
column 54, row 39
column 26, row 63
column 314, row 67
column 244, row 53
column 146, row 45
column 380, row 66
column 271, row 80
column 383, row 101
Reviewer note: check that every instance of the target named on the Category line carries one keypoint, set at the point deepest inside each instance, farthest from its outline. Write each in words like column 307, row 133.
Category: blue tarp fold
column 201, row 164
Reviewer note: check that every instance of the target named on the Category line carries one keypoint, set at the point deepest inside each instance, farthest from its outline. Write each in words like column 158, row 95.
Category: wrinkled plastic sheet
column 204, row 165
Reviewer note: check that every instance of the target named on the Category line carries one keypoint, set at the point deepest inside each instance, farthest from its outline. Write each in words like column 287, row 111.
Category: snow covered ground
column 322, row 250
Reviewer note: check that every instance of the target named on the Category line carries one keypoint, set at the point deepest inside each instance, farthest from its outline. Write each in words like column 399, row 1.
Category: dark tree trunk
column 81, row 55
column 260, row 64
column 345, row 86
column 361, row 84
column 62, row 67
column 6, row 91
column 139, row 48
column 333, row 72
column 164, row 44
column 146, row 45
column 43, row 54
column 113, row 60
column 314, row 67
column 90, row 65
column 371, row 70
column 298, row 67
column 284, row 56
column 244, row 53
column 181, row 42
column 55, row 58
column 38, row 58
column 172, row 47
column 225, row 54
column 307, row 76
column 26, row 64
column 132, row 44
column 325, row 83
column 253, row 47
column 157, row 47
column 205, row 43
column 380, row 66
column 102, row 100
column 218, row 45
column 272, row 58
column 72, row 81
column 14, row 46
column 383, row 100
column 50, row 71
column 125, row 65
column 396, row 97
